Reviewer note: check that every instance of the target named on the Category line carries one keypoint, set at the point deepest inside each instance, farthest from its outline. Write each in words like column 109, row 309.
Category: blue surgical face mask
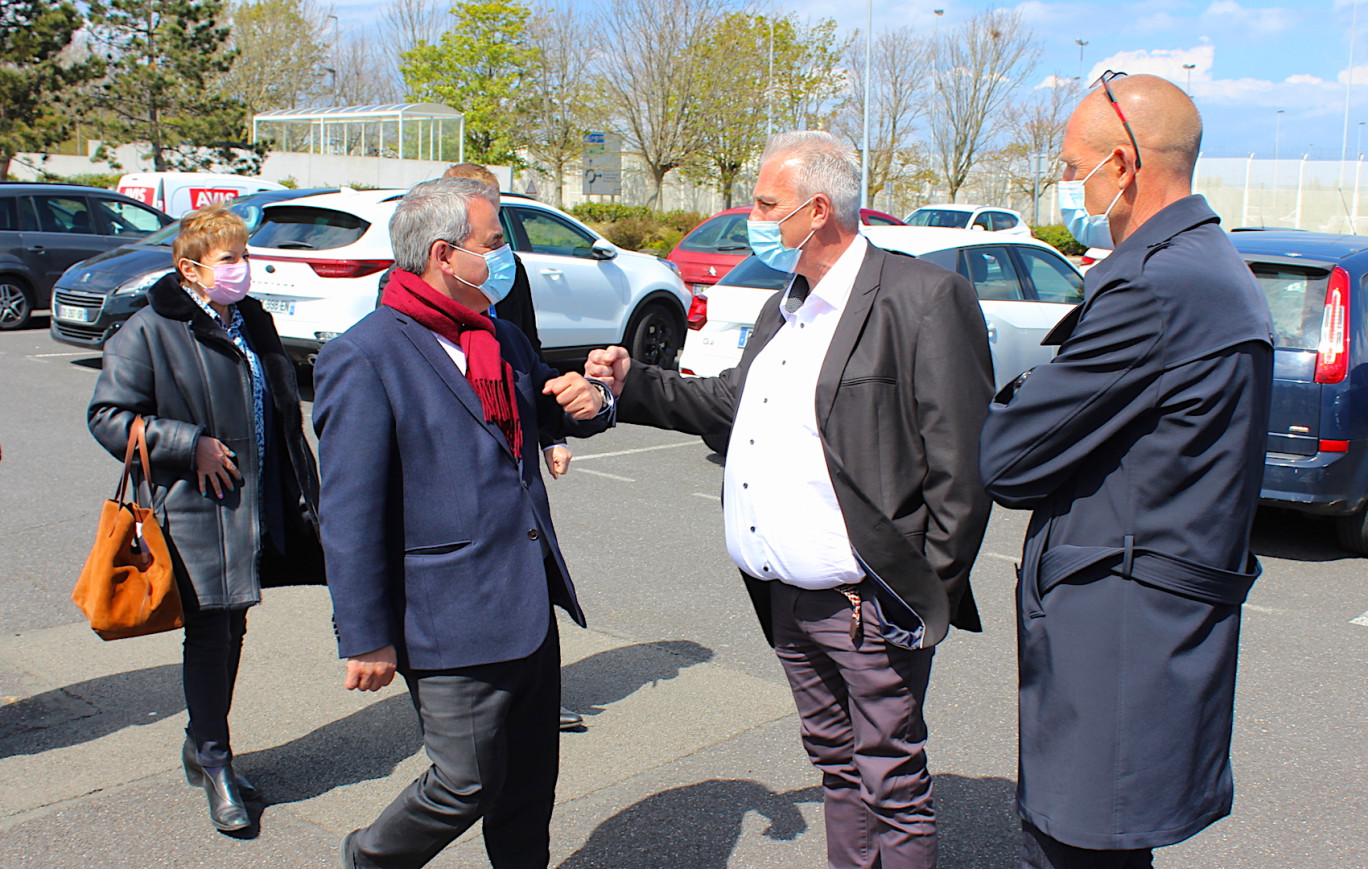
column 502, row 268
column 767, row 243
column 1091, row 230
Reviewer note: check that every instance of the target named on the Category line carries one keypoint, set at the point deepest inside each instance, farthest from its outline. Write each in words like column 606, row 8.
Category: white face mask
column 1091, row 230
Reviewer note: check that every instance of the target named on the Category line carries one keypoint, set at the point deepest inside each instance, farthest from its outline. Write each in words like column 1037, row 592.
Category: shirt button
column 745, row 485
column 533, row 534
column 752, row 442
column 766, row 568
column 752, row 529
column 765, row 401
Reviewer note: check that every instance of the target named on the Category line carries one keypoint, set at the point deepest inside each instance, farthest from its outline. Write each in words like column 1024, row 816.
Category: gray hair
column 825, row 165
column 434, row 210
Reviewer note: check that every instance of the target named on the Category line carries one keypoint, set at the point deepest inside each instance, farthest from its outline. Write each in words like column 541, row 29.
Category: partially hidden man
column 1139, row 450
column 436, row 526
column 851, row 497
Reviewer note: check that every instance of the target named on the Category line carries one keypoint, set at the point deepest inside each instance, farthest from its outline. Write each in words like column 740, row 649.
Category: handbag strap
column 137, row 440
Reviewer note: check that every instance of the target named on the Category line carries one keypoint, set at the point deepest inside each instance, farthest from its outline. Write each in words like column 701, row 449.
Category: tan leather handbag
column 128, row 587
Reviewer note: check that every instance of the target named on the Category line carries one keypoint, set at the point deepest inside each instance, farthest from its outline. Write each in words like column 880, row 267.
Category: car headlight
column 141, row 283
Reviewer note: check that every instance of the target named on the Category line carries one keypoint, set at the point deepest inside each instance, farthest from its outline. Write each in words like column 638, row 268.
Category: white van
column 179, row 193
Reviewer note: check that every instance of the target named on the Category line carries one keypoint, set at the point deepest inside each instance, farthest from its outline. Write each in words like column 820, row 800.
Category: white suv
column 317, row 262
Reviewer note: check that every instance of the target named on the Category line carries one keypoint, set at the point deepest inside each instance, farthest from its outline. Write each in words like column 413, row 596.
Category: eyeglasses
column 1103, row 80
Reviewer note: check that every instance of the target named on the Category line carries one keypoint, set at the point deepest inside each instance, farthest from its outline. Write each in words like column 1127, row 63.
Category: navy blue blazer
column 439, row 538
column 1139, row 449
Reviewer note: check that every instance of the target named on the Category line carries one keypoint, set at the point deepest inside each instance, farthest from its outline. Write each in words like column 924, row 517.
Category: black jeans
column 213, row 648
column 493, row 735
column 1039, row 851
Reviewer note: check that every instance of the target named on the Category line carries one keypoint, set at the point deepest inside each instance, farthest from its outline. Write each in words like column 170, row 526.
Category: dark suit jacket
column 1140, row 450
column 900, row 401
column 440, row 537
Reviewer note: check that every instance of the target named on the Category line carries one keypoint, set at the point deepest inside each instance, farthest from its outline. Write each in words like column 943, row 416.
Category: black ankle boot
column 227, row 812
column 194, row 773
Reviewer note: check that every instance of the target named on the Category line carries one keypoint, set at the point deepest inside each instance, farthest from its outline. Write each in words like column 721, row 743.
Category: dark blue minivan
column 1317, row 457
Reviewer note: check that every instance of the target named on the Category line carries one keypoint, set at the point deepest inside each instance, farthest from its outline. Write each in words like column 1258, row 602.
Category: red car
column 711, row 249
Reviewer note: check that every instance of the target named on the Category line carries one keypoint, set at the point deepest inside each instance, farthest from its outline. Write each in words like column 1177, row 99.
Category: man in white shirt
column 851, row 494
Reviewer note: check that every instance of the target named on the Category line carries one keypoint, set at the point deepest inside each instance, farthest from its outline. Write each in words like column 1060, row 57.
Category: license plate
column 745, row 334
column 70, row 312
column 278, row 306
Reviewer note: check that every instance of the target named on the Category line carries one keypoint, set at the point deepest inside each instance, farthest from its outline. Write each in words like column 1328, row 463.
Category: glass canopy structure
column 405, row 131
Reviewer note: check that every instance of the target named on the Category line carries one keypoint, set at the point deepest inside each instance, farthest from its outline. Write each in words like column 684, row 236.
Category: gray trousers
column 493, row 735
column 860, row 703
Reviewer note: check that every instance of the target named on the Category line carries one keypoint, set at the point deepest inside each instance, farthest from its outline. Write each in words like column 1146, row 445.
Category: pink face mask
column 231, row 282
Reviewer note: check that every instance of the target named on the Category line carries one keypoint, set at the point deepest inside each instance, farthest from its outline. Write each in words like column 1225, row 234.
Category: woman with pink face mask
column 234, row 482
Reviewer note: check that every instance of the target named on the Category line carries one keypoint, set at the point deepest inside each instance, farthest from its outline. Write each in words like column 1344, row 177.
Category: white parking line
column 1361, row 620
column 601, row 473
column 716, row 498
column 52, row 355
column 999, row 556
column 637, row 450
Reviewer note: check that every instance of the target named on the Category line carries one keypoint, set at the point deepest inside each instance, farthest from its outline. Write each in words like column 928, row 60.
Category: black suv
column 44, row 228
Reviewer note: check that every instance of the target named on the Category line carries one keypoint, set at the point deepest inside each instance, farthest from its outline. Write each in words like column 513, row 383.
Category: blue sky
column 1250, row 58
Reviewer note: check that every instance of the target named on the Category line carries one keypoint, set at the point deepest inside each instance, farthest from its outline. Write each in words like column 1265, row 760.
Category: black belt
column 1166, row 572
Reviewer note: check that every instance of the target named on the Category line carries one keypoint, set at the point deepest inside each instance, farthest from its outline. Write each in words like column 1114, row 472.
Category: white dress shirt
column 782, row 519
column 453, row 350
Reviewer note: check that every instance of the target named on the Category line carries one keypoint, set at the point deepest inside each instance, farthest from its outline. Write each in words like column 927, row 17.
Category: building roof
column 407, row 111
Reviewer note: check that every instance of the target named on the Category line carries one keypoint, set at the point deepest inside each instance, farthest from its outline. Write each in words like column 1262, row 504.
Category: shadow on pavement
column 365, row 745
column 594, row 682
column 691, row 827
column 1296, row 536
column 89, row 710
column 977, row 822
column 697, row 826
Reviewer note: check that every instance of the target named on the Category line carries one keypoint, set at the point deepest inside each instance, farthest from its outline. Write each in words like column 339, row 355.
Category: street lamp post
column 1189, row 67
column 868, row 86
column 1082, row 44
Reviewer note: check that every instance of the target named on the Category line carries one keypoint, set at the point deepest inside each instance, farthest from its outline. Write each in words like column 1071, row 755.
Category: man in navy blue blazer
column 443, row 560
column 1140, row 451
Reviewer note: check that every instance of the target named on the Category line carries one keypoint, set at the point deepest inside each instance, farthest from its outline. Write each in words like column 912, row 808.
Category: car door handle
column 992, row 334
column 552, row 273
column 37, row 248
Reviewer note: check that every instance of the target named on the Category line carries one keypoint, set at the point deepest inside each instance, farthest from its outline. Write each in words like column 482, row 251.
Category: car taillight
column 1331, row 446
column 698, row 311
column 1332, row 355
column 348, row 268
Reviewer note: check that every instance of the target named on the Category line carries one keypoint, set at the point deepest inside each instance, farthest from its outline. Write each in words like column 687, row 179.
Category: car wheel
column 717, row 443
column 1353, row 532
column 16, row 303
column 656, row 335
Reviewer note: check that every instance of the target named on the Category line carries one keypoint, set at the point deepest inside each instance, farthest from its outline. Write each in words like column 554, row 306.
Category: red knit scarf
column 489, row 375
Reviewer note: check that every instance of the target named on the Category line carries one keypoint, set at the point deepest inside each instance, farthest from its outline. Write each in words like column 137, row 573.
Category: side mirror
column 603, row 249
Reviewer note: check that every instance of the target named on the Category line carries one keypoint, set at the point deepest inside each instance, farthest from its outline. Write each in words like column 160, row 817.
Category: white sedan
column 1024, row 287
column 985, row 218
column 317, row 263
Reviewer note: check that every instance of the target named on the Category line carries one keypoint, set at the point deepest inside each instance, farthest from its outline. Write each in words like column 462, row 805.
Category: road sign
column 602, row 164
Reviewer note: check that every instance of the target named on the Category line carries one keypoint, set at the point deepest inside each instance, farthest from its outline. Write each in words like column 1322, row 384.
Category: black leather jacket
column 177, row 367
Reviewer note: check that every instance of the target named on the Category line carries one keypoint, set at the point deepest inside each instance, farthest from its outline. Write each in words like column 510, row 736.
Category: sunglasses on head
column 1105, row 80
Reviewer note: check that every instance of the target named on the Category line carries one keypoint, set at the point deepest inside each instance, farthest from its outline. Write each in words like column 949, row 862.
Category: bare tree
column 559, row 90
column 975, row 69
column 404, row 24
column 356, row 60
column 650, row 80
column 281, row 53
column 1036, row 126
column 897, row 102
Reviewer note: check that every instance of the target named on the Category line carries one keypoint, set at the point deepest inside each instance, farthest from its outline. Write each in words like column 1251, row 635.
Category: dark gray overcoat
column 1139, row 449
column 178, row 368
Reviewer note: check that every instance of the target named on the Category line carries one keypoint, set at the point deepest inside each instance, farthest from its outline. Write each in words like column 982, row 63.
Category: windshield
column 939, row 217
column 753, row 273
column 1296, row 298
column 243, row 207
column 305, row 227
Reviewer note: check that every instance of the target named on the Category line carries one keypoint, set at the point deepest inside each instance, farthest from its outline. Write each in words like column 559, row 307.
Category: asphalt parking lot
column 690, row 758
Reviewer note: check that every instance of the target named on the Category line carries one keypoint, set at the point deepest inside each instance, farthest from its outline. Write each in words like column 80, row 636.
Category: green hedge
column 637, row 227
column 1058, row 236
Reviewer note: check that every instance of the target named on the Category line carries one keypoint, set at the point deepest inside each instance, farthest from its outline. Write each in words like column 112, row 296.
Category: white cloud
column 1230, row 16
column 1164, row 62
column 1054, row 81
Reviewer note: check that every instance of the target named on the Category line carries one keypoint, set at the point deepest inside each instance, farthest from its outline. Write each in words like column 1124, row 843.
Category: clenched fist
column 577, row 396
column 609, row 365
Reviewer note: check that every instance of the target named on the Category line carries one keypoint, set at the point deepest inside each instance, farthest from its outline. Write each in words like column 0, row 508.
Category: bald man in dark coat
column 1139, row 449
